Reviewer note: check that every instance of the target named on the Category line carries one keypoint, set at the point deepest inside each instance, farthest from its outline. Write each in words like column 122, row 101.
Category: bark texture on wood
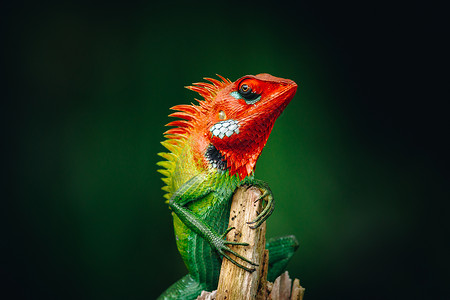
column 262, row 286
column 279, row 290
column 234, row 282
column 297, row 290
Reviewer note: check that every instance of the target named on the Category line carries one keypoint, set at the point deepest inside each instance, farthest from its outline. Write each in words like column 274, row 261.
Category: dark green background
column 357, row 162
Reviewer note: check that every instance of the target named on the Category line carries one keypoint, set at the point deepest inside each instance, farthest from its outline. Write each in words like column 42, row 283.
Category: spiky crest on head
column 190, row 115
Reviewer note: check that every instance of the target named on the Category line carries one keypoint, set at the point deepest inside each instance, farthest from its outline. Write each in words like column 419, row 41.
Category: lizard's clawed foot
column 269, row 207
column 222, row 248
column 262, row 217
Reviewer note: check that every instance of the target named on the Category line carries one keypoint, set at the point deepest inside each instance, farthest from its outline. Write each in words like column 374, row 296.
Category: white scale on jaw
column 225, row 128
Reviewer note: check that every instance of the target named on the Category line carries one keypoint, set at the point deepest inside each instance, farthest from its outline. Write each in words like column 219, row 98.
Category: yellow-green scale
column 202, row 261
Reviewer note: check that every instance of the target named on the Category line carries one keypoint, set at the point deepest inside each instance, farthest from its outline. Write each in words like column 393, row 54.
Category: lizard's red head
column 232, row 125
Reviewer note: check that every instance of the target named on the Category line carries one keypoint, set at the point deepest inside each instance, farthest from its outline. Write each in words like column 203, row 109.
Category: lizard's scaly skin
column 212, row 151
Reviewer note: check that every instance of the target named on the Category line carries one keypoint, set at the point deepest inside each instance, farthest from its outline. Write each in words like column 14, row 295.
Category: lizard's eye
column 246, row 92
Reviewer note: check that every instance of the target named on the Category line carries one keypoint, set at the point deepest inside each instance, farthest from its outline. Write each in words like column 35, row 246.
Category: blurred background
column 358, row 162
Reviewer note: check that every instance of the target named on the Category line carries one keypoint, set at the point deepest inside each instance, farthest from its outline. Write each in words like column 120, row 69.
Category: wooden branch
column 297, row 290
column 262, row 286
column 234, row 282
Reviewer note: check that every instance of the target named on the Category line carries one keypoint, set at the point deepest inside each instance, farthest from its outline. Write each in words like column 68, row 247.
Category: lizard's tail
column 184, row 289
column 280, row 252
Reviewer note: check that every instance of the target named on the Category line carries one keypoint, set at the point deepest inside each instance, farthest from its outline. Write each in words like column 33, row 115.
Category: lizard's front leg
column 195, row 189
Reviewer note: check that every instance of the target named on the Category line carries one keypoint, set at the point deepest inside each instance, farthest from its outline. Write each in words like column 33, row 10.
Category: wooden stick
column 297, row 291
column 234, row 282
column 262, row 287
